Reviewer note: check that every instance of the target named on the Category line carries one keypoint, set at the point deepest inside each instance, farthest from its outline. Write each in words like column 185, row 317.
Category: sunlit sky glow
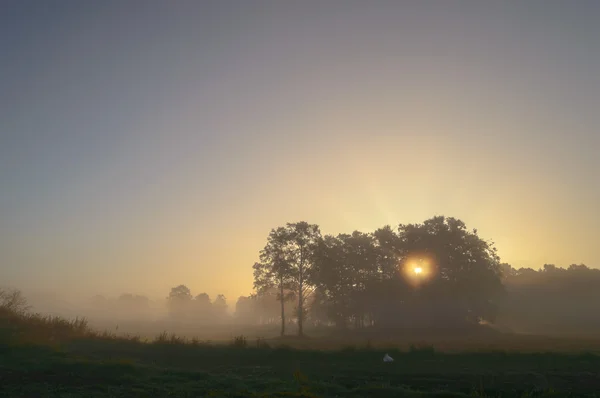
column 144, row 144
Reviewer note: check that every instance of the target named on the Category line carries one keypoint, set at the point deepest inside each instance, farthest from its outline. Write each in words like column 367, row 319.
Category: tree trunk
column 300, row 293
column 281, row 298
column 300, row 310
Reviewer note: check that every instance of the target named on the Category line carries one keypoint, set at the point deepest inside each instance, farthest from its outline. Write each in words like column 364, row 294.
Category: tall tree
column 302, row 241
column 274, row 269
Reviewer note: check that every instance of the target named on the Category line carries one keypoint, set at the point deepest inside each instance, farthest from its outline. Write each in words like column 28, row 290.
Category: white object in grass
column 387, row 358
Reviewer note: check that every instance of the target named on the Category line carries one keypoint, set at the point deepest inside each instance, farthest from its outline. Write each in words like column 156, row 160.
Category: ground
column 109, row 367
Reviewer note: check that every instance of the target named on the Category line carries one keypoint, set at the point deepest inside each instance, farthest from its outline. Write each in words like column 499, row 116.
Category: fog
column 551, row 301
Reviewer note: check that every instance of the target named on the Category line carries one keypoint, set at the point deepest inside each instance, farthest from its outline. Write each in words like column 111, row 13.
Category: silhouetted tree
column 345, row 267
column 203, row 307
column 274, row 269
column 203, row 300
column 301, row 240
column 465, row 280
column 246, row 309
column 13, row 300
column 179, row 301
column 553, row 300
column 220, row 306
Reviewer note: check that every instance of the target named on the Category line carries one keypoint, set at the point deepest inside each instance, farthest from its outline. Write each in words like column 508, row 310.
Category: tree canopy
column 436, row 273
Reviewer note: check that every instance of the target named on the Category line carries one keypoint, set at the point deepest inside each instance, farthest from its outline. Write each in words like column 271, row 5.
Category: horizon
column 143, row 147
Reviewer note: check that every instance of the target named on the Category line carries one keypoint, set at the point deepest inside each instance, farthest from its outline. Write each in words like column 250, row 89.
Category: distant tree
column 203, row 307
column 578, row 267
column 246, row 309
column 553, row 300
column 268, row 305
column 180, row 292
column 220, row 306
column 320, row 311
column 179, row 301
column 549, row 268
column 203, row 301
column 507, row 271
column 135, row 300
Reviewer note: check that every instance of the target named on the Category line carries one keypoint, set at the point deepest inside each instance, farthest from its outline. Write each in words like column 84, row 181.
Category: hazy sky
column 145, row 144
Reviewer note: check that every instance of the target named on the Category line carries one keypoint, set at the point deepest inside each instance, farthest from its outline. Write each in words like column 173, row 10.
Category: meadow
column 54, row 357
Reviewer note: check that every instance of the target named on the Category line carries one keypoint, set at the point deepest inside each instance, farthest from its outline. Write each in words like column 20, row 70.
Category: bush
column 19, row 326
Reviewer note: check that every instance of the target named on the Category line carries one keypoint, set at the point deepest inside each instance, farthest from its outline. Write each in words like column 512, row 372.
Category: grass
column 54, row 357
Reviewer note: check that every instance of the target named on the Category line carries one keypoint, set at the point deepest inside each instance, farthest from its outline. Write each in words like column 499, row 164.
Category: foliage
column 285, row 263
column 362, row 279
column 552, row 300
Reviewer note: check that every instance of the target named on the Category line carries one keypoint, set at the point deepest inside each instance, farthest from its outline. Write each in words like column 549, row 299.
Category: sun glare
column 418, row 269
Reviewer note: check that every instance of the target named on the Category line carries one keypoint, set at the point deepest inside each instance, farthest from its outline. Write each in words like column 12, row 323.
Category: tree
column 432, row 273
column 180, row 292
column 203, row 307
column 220, row 306
column 274, row 269
column 331, row 278
column 465, row 276
column 388, row 250
column 203, row 300
column 345, row 268
column 129, row 304
column 246, row 309
column 301, row 241
column 351, row 270
column 553, row 300
column 12, row 300
column 179, row 301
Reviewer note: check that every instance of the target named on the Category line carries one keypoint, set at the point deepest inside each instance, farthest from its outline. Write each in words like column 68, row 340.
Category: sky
column 147, row 144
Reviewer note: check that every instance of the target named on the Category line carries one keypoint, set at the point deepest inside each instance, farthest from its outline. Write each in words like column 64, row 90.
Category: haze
column 148, row 144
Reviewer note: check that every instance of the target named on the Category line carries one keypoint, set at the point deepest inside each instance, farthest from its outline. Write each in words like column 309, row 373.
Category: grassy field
column 51, row 357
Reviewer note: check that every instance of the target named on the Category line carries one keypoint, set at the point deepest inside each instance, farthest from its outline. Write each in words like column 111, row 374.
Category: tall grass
column 25, row 328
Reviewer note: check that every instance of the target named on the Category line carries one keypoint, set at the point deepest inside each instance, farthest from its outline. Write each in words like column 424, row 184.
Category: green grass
column 52, row 357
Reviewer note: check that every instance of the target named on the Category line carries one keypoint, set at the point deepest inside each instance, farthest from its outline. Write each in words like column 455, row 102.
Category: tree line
column 183, row 306
column 434, row 274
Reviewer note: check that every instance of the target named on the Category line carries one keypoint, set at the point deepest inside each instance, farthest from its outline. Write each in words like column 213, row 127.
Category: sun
column 418, row 270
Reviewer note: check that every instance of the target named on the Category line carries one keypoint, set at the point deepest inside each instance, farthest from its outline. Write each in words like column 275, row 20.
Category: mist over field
column 310, row 199
column 550, row 302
